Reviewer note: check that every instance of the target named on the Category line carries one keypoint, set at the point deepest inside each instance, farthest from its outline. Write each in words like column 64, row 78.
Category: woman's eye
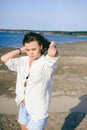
column 27, row 50
column 34, row 49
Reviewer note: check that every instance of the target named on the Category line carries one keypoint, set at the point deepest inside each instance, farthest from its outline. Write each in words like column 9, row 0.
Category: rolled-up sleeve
column 12, row 64
column 52, row 61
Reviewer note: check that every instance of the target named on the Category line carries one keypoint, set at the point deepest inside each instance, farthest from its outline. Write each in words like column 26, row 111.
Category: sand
column 68, row 108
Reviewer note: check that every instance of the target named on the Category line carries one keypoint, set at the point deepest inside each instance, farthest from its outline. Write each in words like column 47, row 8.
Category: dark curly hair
column 39, row 38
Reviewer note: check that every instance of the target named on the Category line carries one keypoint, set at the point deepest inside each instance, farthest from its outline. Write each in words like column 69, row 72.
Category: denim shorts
column 31, row 124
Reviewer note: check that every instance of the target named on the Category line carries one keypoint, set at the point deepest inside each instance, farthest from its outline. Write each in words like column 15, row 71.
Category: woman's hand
column 23, row 50
column 52, row 51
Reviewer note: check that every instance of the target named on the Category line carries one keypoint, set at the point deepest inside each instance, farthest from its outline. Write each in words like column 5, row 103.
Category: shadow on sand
column 77, row 114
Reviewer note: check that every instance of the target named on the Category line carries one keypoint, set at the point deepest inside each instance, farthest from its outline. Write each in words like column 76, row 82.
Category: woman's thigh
column 37, row 124
column 25, row 119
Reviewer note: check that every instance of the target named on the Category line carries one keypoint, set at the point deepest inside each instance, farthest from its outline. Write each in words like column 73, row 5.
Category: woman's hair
column 29, row 37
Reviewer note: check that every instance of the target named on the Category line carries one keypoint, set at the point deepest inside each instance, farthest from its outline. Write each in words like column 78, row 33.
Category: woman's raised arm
column 12, row 54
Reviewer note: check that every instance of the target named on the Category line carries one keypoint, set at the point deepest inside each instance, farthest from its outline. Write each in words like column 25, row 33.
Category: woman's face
column 33, row 50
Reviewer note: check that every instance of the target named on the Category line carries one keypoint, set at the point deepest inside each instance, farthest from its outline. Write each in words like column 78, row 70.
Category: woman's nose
column 30, row 52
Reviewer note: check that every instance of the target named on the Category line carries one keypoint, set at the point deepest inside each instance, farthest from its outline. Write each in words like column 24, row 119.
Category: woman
column 34, row 79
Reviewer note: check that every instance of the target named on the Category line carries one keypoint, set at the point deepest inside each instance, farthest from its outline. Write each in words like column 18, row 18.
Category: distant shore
column 70, row 81
column 73, row 33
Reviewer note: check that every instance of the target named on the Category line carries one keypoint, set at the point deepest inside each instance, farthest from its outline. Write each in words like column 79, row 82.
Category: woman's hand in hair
column 23, row 50
column 52, row 51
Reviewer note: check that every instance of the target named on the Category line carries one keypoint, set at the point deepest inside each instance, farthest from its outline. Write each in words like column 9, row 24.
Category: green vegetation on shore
column 73, row 33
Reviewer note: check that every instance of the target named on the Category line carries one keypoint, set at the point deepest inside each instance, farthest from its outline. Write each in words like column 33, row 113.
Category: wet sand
column 68, row 107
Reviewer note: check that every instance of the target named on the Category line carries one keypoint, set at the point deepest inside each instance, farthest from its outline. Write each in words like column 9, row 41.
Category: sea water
column 14, row 40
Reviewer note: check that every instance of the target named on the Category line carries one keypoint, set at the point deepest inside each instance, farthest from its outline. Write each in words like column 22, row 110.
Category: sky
column 47, row 15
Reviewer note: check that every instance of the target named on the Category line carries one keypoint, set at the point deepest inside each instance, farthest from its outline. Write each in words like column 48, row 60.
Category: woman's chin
column 32, row 58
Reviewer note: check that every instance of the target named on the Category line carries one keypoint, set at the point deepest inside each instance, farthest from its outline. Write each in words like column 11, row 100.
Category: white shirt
column 38, row 91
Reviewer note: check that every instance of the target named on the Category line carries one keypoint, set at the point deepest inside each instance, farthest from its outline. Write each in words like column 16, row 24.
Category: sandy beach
column 68, row 108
